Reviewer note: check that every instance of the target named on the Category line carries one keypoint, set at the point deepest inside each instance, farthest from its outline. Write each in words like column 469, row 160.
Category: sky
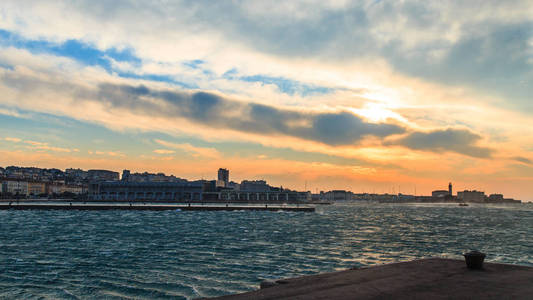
column 368, row 96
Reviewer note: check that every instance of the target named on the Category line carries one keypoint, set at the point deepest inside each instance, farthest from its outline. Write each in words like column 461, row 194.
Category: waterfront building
column 386, row 198
column 36, row 188
column 74, row 189
column 58, row 188
column 363, row 197
column 495, row 198
column 15, row 187
column 440, row 194
column 471, row 196
column 54, row 188
column 338, row 196
column 223, row 177
column 303, row 197
column 148, row 191
column 284, row 196
column 498, row 198
column 316, row 198
column 255, row 186
column 125, row 175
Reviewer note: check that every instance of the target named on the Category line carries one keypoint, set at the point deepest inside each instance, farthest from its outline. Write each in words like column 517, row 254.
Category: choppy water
column 147, row 254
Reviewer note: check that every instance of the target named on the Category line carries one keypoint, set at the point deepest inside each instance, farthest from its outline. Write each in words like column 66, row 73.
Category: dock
column 434, row 278
column 150, row 206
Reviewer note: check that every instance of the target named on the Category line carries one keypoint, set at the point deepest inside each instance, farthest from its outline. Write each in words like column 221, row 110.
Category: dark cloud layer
column 454, row 140
column 523, row 160
column 338, row 128
column 495, row 59
column 332, row 128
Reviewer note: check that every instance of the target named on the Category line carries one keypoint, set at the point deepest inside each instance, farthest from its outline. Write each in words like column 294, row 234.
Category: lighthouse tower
column 450, row 189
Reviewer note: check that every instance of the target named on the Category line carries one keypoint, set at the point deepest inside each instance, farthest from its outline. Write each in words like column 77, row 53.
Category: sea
column 65, row 254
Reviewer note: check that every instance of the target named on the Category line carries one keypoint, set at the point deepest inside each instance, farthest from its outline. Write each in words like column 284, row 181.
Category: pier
column 433, row 278
column 43, row 205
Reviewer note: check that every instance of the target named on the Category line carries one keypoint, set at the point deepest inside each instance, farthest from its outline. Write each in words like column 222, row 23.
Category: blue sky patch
column 77, row 50
column 194, row 64
column 285, row 85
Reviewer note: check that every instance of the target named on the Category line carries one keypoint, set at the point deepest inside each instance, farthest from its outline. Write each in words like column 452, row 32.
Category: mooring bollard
column 474, row 260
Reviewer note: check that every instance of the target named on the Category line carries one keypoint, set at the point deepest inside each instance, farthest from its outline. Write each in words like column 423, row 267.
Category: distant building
column 75, row 176
column 125, row 175
column 450, row 191
column 75, row 189
column 58, row 188
column 272, row 196
column 303, row 196
column 149, row 177
column 55, row 188
column 223, row 177
column 495, row 198
column 102, row 175
column 440, row 194
column 316, row 197
column 254, row 186
column 15, row 187
column 471, row 196
column 36, row 188
column 338, row 195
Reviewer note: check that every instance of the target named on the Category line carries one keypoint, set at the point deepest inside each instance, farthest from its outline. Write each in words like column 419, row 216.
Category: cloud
column 494, row 58
column 193, row 150
column 523, row 160
column 45, row 146
column 108, row 153
column 12, row 139
column 209, row 109
column 445, row 140
column 164, row 151
column 40, row 145
column 486, row 47
column 34, row 143
column 11, row 112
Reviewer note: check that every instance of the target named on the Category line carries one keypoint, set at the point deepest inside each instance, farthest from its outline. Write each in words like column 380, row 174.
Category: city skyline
column 365, row 96
column 37, row 182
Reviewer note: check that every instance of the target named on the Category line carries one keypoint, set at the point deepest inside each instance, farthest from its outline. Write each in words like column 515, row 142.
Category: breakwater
column 434, row 278
column 149, row 206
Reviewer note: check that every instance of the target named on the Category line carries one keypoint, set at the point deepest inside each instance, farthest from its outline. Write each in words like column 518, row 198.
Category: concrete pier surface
column 433, row 278
column 148, row 206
